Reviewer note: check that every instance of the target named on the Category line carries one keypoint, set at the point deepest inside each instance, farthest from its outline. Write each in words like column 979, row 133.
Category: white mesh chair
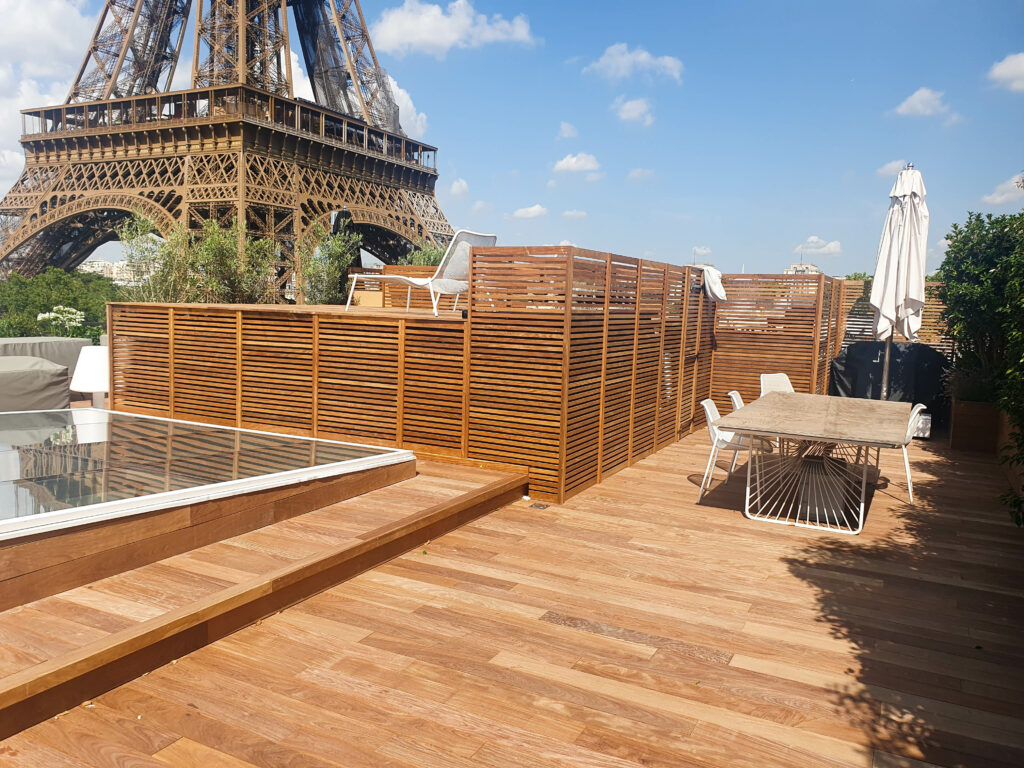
column 915, row 418
column 775, row 382
column 737, row 400
column 720, row 440
column 452, row 275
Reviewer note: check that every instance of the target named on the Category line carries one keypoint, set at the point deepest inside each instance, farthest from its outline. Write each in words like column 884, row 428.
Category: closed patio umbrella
column 897, row 292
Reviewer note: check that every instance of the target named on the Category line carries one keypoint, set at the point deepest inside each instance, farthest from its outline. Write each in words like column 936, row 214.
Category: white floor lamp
column 92, row 374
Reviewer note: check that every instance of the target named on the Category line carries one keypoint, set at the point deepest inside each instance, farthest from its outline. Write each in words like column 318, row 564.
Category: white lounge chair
column 775, row 382
column 915, row 417
column 737, row 399
column 451, row 277
column 720, row 440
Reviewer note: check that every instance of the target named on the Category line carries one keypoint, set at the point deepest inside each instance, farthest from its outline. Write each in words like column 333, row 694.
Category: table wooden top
column 822, row 418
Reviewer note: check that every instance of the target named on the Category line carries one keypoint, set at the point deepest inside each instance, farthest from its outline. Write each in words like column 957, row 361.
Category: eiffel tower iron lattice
column 238, row 144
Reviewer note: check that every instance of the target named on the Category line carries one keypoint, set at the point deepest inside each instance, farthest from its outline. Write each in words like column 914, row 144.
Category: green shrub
column 983, row 288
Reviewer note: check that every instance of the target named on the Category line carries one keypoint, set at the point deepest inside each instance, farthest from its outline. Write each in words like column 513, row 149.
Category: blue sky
column 736, row 131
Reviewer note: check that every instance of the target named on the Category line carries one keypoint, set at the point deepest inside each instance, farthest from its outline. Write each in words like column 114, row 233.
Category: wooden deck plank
column 167, row 611
column 626, row 627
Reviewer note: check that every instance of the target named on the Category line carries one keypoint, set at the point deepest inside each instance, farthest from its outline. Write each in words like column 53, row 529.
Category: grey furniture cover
column 32, row 384
column 57, row 349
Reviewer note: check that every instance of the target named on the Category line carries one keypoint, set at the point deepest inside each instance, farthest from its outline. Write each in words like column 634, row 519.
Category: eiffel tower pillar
column 235, row 145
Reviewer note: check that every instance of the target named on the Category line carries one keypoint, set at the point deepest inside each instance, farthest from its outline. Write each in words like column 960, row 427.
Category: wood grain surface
column 627, row 627
column 819, row 417
column 63, row 648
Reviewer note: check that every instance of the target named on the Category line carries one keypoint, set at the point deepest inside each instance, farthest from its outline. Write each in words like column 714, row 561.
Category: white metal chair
column 451, row 277
column 737, row 400
column 775, row 382
column 915, row 418
column 720, row 440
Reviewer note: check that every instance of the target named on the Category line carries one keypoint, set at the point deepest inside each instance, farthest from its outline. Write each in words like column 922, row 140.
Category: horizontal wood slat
column 858, row 318
column 774, row 324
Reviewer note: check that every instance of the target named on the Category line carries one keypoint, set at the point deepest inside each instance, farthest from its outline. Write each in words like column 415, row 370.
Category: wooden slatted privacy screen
column 775, row 324
column 302, row 370
column 858, row 319
column 582, row 362
column 572, row 363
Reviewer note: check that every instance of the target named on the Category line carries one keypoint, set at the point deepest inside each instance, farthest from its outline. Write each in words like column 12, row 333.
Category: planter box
column 974, row 427
column 1015, row 474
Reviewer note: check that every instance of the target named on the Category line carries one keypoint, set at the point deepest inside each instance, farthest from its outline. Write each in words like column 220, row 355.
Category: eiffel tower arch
column 238, row 144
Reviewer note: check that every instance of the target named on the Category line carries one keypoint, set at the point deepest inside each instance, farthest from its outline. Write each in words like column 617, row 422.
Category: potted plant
column 975, row 275
column 974, row 423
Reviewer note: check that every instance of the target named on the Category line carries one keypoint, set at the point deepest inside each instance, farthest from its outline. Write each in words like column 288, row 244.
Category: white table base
column 810, row 484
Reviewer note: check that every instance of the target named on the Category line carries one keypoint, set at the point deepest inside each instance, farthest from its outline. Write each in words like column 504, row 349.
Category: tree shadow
column 930, row 598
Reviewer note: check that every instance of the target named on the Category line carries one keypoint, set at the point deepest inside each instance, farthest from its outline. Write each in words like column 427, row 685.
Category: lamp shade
column 92, row 374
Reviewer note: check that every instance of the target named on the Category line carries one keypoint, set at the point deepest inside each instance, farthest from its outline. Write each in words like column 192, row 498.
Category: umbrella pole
column 885, row 368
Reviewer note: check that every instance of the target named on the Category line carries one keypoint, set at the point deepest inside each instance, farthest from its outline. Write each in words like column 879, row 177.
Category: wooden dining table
column 813, row 457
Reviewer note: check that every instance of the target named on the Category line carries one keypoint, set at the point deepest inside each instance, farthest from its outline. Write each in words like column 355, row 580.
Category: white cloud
column 567, row 131
column 480, row 206
column 567, row 242
column 1007, row 192
column 574, row 214
column 701, row 250
column 941, row 246
column 816, row 246
column 924, row 102
column 1009, row 73
column 48, row 37
column 26, row 93
column 300, row 82
column 618, row 63
column 891, row 168
column 579, row 163
column 460, row 188
column 551, row 184
column 595, row 176
column 633, row 110
column 414, row 123
column 42, row 44
column 533, row 212
column 418, row 27
column 639, row 173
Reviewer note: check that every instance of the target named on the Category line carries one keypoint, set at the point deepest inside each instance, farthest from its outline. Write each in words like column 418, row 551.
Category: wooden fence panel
column 572, row 363
column 587, row 330
column 623, row 326
column 140, row 343
column 704, row 357
column 432, row 391
column 772, row 324
column 646, row 383
column 518, row 339
column 205, row 378
column 858, row 318
column 670, row 385
column 358, row 378
column 277, row 372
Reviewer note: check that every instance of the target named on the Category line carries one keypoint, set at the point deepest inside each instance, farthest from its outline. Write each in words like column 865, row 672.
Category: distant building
column 116, row 271
column 802, row 269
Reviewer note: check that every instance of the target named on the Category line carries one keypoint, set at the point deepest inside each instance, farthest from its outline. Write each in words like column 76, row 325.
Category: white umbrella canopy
column 897, row 293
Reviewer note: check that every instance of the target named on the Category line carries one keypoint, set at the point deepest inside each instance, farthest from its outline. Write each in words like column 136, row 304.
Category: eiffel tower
column 237, row 145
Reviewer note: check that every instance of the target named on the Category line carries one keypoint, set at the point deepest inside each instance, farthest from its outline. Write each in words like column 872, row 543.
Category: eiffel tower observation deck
column 237, row 145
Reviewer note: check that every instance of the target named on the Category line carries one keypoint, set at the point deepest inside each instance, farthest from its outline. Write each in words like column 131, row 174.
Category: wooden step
column 443, row 497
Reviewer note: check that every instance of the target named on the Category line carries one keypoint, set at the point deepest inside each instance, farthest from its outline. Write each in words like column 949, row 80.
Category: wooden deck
column 626, row 627
column 61, row 649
